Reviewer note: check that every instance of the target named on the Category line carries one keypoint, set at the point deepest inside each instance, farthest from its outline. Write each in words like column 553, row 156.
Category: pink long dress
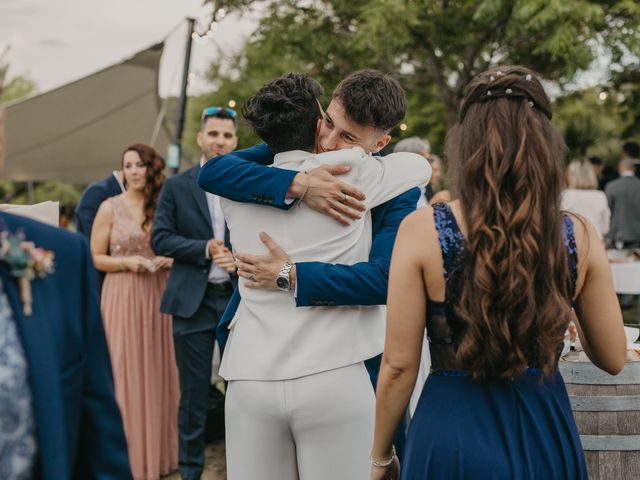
column 141, row 347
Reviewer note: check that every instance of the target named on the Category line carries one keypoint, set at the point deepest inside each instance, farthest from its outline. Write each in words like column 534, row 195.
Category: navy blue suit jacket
column 91, row 199
column 78, row 424
column 243, row 177
column 181, row 230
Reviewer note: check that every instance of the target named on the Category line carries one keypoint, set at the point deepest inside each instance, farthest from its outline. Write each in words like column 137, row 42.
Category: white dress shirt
column 216, row 274
column 272, row 339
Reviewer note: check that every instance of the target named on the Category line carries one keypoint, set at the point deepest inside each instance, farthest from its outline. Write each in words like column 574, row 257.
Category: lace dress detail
column 443, row 327
column 127, row 237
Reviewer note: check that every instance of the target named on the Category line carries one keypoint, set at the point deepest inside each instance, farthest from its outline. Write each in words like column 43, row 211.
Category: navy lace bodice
column 442, row 325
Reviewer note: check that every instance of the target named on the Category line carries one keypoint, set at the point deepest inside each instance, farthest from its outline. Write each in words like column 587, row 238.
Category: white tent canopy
column 76, row 133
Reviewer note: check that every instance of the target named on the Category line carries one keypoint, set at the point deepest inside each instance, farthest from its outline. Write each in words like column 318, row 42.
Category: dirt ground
column 215, row 466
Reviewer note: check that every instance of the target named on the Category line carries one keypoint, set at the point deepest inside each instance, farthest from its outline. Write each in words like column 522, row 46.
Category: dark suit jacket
column 91, row 199
column 78, row 425
column 181, row 230
column 624, row 201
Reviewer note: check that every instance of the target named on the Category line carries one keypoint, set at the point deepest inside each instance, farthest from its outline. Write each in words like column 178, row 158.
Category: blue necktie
column 17, row 426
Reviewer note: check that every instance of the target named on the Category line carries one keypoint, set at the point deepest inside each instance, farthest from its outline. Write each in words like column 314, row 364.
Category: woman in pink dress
column 139, row 336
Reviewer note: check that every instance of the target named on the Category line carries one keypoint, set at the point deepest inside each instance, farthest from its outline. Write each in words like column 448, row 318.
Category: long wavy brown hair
column 155, row 180
column 508, row 159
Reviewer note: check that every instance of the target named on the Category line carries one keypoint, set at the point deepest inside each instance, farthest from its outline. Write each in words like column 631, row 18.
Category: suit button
column 204, row 270
column 254, row 196
column 270, row 199
column 332, row 303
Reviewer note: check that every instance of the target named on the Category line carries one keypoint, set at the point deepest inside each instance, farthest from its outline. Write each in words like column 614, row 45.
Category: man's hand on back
column 261, row 271
column 323, row 192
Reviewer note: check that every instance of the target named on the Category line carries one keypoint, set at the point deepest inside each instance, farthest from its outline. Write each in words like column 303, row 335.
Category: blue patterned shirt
column 17, row 425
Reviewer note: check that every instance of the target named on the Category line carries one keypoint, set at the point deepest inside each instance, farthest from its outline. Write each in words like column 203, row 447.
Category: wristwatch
column 283, row 280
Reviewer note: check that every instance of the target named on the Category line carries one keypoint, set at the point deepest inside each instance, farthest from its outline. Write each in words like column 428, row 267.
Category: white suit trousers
column 316, row 427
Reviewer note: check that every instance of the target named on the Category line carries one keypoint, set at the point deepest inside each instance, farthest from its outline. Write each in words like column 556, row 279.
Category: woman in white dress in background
column 583, row 197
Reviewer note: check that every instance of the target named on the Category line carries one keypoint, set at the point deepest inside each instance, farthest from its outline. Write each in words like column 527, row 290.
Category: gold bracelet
column 305, row 190
column 384, row 463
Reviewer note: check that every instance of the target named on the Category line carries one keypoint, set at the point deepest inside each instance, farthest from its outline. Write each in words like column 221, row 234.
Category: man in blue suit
column 90, row 201
column 360, row 103
column 92, row 198
column 189, row 227
column 59, row 418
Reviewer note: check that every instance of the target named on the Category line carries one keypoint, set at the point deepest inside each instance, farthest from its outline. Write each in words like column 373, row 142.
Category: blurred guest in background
column 139, row 336
column 609, row 173
column 583, row 198
column 631, row 151
column 422, row 147
column 624, row 201
column 598, row 166
column 190, row 228
column 92, row 198
column 90, row 201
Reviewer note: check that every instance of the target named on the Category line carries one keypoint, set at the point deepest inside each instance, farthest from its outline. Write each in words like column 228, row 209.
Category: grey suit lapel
column 199, row 195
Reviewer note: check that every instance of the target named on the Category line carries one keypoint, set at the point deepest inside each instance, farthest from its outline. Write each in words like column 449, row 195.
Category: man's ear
column 199, row 139
column 381, row 143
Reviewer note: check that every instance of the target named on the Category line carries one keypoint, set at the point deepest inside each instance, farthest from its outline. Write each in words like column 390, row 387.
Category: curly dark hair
column 372, row 98
column 284, row 113
column 155, row 179
column 508, row 161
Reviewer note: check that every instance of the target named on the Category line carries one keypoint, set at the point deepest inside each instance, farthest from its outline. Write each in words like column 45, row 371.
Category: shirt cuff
column 289, row 200
column 206, row 251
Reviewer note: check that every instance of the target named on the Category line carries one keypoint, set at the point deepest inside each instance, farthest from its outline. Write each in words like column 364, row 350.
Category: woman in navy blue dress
column 494, row 276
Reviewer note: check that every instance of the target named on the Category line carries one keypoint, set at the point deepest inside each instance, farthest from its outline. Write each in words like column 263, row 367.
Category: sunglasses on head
column 211, row 111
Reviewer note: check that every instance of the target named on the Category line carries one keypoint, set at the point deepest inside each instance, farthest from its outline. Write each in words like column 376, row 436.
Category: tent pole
column 183, row 95
column 30, row 195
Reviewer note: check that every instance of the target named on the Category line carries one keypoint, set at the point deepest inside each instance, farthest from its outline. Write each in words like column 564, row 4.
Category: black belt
column 221, row 287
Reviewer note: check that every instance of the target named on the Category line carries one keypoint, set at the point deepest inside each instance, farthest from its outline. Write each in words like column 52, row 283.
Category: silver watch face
column 282, row 283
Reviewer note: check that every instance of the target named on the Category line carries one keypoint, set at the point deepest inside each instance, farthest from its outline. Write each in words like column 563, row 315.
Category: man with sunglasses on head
column 189, row 227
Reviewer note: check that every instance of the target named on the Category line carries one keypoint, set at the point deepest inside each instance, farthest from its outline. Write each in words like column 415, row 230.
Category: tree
column 434, row 46
column 18, row 87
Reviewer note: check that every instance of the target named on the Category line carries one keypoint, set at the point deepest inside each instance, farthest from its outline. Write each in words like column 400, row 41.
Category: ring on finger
column 346, row 198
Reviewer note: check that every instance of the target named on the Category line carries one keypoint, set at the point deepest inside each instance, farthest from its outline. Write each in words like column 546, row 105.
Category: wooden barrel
column 607, row 413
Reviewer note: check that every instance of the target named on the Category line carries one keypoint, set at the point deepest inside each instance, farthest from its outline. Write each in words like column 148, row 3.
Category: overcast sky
column 58, row 41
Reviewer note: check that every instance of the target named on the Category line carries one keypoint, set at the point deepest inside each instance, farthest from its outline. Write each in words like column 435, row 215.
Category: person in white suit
column 300, row 404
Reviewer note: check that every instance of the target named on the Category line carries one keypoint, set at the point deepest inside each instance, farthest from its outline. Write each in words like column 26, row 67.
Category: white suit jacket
column 272, row 339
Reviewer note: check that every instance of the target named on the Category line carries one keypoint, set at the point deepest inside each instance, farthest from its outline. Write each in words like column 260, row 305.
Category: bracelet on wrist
column 306, row 189
column 384, row 463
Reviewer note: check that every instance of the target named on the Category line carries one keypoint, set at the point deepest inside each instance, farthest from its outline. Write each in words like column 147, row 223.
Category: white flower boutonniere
column 25, row 262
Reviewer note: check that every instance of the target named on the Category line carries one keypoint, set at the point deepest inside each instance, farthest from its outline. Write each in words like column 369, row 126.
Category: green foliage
column 16, row 192
column 434, row 46
column 17, row 88
column 591, row 125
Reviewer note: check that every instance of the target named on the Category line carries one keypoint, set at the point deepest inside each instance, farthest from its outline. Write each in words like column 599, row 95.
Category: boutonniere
column 25, row 262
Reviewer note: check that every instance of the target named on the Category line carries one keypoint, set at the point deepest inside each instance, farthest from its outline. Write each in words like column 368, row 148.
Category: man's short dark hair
column 632, row 150
column 223, row 114
column 284, row 113
column 596, row 161
column 372, row 98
